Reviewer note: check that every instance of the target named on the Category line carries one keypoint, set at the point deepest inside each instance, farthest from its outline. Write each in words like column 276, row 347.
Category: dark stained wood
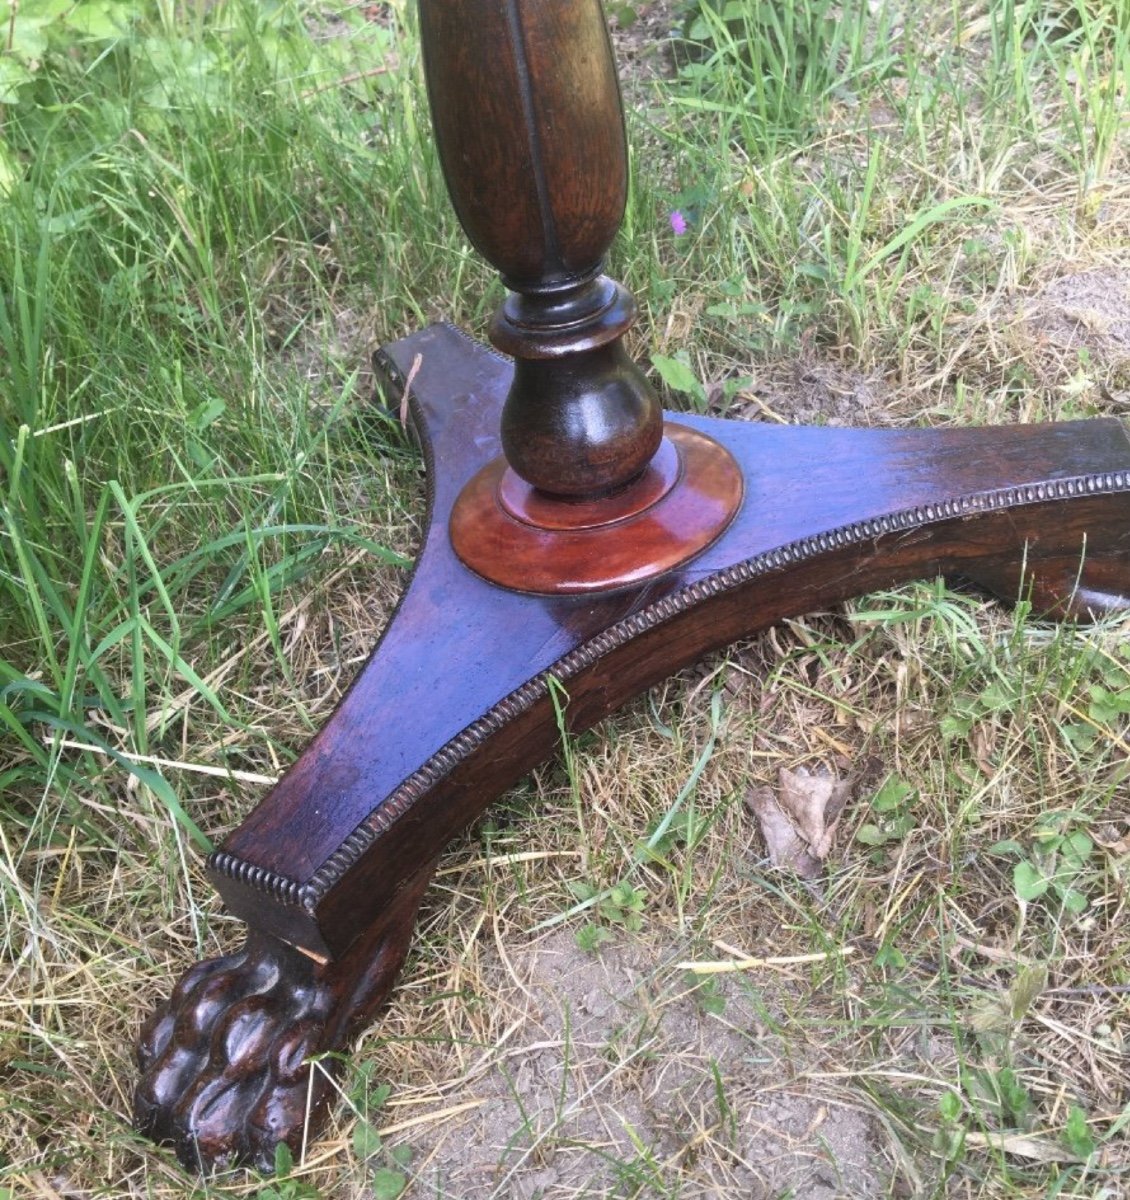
column 526, row 109
column 582, row 425
column 226, row 1071
column 1078, row 586
column 526, row 504
column 453, row 706
column 457, row 687
column 538, row 175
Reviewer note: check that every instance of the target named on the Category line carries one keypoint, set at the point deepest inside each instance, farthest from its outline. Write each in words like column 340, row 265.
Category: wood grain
column 457, row 686
column 454, row 704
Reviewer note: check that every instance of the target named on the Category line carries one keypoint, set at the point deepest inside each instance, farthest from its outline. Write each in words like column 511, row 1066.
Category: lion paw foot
column 225, row 1063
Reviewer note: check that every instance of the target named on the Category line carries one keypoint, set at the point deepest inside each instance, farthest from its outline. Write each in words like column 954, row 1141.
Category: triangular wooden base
column 454, row 705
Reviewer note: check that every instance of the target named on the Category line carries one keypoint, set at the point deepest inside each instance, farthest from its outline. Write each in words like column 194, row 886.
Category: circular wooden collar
column 521, row 539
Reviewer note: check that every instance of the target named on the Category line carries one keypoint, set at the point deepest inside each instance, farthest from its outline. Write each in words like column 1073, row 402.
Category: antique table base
column 454, row 705
column 622, row 546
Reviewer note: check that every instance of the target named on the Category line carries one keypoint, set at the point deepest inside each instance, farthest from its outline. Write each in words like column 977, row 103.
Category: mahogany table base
column 454, row 704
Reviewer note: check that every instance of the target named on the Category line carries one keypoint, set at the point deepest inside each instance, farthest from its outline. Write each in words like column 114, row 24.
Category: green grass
column 209, row 214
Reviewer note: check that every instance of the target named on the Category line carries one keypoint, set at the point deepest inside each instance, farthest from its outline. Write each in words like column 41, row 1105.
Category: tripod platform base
column 455, row 704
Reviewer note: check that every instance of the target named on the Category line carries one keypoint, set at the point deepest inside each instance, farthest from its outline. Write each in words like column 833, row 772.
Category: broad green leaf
column 997, row 697
column 366, row 1140
column 207, row 412
column 949, row 1105
column 1013, row 1092
column 1008, row 846
column 1029, row 883
column 28, row 41
column 40, row 12
column 892, row 794
column 13, row 75
column 582, row 890
column 1077, row 848
column 99, row 20
column 388, row 1184
column 1079, row 737
column 590, row 938
column 1073, row 900
column 1025, row 990
column 284, row 1160
column 1107, row 705
column 677, row 375
column 952, row 727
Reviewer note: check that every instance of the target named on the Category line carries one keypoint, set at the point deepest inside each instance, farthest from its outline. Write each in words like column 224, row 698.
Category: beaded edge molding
column 447, row 757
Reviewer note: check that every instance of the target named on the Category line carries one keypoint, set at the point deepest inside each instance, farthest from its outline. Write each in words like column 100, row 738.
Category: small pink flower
column 678, row 223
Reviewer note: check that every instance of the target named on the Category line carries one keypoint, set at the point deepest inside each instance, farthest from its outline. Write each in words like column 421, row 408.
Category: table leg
column 576, row 535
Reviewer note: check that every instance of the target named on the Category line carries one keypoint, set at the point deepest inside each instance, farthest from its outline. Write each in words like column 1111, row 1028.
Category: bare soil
column 1081, row 320
column 619, row 1077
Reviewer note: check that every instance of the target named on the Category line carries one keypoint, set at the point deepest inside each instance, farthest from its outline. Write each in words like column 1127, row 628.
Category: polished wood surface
column 829, row 514
column 457, row 688
column 526, row 109
column 225, row 1063
column 673, row 511
column 675, row 556
column 537, row 173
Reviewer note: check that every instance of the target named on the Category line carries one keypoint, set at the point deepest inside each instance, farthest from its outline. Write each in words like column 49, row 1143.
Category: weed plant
column 867, row 213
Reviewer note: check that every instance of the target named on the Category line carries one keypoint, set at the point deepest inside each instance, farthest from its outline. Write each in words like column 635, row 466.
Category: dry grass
column 912, row 1027
column 519, row 1062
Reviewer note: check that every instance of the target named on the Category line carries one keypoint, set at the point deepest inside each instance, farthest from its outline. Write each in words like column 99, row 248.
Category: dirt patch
column 1082, row 319
column 807, row 391
column 626, row 1079
column 643, row 44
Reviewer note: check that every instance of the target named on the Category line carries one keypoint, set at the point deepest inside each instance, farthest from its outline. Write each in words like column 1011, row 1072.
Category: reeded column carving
column 528, row 121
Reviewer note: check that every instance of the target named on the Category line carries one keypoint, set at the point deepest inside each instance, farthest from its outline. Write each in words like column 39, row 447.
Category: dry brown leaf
column 785, row 846
column 799, row 821
column 1118, row 847
column 1037, row 1149
column 813, row 801
column 416, row 363
column 981, row 742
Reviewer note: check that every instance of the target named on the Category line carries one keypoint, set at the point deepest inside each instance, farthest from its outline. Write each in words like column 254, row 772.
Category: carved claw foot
column 225, row 1075
column 455, row 703
column 225, row 1063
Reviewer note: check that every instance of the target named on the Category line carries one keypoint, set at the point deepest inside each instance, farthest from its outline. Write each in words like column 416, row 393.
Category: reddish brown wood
column 538, row 176
column 526, row 504
column 454, row 706
column 527, row 116
column 226, row 1065
column 455, row 703
column 526, row 110
column 1079, row 586
column 515, row 537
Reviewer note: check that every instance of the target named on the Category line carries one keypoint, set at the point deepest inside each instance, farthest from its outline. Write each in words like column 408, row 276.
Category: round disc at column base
column 527, row 504
column 527, row 542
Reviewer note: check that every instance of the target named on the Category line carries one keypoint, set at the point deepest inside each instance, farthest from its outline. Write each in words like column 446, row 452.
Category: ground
column 943, row 1009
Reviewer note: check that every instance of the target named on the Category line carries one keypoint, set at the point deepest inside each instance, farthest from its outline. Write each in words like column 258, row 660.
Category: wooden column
column 589, row 493
column 624, row 553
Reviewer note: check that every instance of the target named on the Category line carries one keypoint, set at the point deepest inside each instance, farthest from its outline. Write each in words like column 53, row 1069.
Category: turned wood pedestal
column 575, row 532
